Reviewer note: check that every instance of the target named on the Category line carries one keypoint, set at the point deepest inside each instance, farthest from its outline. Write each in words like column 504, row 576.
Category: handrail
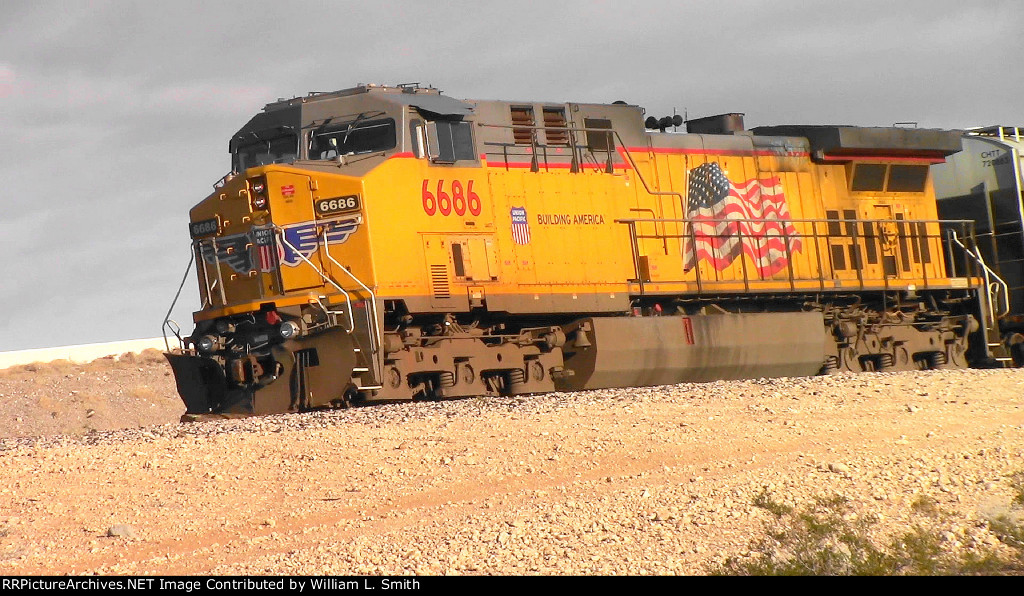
column 374, row 328
column 220, row 276
column 788, row 220
column 625, row 149
column 808, row 231
column 988, row 274
column 284, row 240
column 202, row 247
column 201, row 263
column 176, row 329
column 375, row 339
column 324, row 277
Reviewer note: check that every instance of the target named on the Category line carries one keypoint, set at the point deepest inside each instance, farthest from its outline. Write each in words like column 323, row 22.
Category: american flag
column 716, row 208
column 520, row 225
column 266, row 245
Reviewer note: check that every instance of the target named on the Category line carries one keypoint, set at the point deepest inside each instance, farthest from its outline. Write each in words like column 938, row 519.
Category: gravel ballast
column 621, row 481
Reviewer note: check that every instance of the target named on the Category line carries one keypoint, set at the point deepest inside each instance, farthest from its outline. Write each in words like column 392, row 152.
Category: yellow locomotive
column 390, row 243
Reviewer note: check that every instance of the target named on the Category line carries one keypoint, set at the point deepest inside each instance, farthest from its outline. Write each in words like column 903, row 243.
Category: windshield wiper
column 352, row 126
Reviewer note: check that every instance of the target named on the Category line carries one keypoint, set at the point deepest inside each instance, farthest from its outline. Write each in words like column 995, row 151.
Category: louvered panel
column 522, row 117
column 439, row 282
column 554, row 127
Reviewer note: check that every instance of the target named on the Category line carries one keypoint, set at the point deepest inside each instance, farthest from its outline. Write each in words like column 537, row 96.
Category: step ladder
column 997, row 303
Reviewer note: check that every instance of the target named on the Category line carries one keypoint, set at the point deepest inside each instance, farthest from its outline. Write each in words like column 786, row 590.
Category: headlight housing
column 206, row 344
column 288, row 330
column 259, row 197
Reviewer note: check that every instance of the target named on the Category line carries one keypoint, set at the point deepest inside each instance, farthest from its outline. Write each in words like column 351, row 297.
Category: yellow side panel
column 477, row 259
column 433, row 232
column 296, row 206
column 666, row 246
column 516, row 259
column 567, row 243
column 347, row 253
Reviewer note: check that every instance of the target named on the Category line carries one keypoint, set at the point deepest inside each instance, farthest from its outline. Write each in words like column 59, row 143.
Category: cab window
column 869, row 177
column 260, row 152
column 353, row 138
column 907, row 178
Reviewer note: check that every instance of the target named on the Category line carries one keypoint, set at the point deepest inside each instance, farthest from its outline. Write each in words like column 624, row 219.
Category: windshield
column 353, row 138
column 260, row 152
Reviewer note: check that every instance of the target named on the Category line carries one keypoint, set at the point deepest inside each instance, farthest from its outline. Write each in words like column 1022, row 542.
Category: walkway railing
column 827, row 253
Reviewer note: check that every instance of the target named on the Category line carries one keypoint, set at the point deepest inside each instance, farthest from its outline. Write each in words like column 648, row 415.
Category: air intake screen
column 554, row 127
column 439, row 281
column 522, row 117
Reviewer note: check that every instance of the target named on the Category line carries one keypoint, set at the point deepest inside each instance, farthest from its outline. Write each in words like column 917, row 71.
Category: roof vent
column 722, row 124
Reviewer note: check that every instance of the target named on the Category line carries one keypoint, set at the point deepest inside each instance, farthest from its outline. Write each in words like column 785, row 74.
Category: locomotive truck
column 394, row 243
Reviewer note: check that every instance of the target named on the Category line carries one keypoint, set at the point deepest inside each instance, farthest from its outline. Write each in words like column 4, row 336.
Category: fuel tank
column 644, row 351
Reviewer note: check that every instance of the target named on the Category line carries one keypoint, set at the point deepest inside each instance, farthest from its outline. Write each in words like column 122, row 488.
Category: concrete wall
column 81, row 353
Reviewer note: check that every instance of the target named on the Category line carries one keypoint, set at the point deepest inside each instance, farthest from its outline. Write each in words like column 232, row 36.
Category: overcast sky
column 115, row 116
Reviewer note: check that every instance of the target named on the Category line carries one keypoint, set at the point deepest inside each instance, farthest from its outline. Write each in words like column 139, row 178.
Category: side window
column 450, row 141
column 873, row 177
column 263, row 152
column 907, row 178
column 868, row 177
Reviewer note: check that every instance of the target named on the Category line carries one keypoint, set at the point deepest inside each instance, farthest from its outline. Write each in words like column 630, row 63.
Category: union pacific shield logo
column 520, row 225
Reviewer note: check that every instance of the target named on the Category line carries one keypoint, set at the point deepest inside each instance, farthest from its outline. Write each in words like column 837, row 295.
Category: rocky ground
column 627, row 481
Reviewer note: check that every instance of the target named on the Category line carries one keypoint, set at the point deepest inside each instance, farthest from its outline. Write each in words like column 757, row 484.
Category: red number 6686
column 460, row 200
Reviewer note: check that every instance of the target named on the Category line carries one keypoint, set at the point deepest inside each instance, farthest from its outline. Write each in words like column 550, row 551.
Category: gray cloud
column 115, row 115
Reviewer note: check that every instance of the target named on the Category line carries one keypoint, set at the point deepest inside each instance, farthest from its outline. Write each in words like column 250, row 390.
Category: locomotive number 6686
column 461, row 199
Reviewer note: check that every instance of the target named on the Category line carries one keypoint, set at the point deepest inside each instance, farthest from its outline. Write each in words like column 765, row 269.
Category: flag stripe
column 719, row 209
